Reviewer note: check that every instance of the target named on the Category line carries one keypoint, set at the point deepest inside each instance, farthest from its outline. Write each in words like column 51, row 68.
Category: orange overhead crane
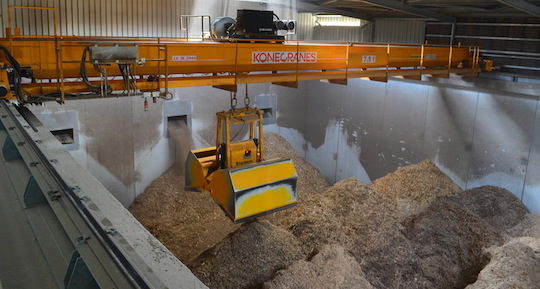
column 54, row 65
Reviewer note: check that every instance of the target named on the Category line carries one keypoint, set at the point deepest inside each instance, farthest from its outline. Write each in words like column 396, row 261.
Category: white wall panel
column 305, row 24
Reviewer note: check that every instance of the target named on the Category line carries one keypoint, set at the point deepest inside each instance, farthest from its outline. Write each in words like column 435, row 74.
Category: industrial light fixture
column 337, row 21
column 328, row 16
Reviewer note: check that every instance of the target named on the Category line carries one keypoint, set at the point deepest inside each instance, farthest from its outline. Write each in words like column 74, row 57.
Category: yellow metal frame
column 225, row 119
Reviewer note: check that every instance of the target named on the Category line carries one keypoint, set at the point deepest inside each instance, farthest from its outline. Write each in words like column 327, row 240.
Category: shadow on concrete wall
column 478, row 136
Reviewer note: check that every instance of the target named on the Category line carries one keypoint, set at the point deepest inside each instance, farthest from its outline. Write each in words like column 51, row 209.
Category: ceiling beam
column 524, row 6
column 409, row 9
column 309, row 7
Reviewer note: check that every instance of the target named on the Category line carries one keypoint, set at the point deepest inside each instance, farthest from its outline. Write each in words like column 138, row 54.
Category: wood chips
column 516, row 265
column 248, row 257
column 187, row 223
column 528, row 227
column 411, row 229
column 497, row 206
column 418, row 184
column 331, row 268
column 450, row 243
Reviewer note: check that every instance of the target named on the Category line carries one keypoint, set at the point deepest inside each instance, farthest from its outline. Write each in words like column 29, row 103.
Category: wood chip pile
column 497, row 206
column 416, row 185
column 413, row 228
column 516, row 265
column 186, row 222
column 331, row 268
column 528, row 227
column 450, row 242
column 248, row 257
column 345, row 211
column 361, row 220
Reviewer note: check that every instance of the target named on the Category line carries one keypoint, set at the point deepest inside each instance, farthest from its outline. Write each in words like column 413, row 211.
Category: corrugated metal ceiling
column 459, row 8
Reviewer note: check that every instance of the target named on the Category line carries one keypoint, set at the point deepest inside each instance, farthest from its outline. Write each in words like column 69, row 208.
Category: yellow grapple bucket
column 252, row 191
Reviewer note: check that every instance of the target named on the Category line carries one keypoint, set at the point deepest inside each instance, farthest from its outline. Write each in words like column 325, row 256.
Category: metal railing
column 185, row 26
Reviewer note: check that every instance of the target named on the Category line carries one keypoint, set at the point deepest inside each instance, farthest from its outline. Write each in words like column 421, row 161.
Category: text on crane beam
column 272, row 57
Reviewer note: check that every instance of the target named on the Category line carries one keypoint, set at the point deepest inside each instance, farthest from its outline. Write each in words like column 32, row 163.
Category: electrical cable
column 84, row 75
column 17, row 79
column 124, row 72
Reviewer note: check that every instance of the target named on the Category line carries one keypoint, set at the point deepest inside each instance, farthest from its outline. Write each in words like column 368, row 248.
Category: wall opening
column 64, row 136
column 177, row 119
column 268, row 115
column 267, row 103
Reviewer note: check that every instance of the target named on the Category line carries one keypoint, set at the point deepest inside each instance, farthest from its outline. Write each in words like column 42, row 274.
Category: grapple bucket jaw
column 256, row 190
column 198, row 163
